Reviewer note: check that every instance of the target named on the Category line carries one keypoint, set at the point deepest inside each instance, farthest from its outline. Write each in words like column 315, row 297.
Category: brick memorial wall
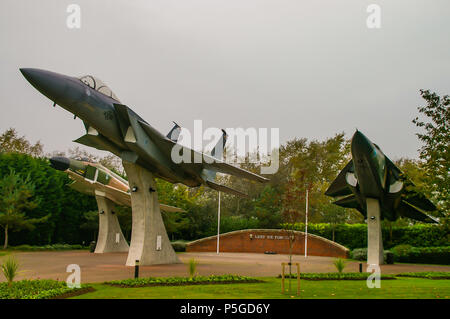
column 268, row 240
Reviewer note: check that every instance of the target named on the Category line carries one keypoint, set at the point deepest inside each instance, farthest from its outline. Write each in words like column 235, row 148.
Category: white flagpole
column 306, row 226
column 218, row 225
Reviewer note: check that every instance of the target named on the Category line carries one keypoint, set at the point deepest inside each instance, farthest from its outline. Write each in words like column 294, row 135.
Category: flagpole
column 306, row 226
column 218, row 225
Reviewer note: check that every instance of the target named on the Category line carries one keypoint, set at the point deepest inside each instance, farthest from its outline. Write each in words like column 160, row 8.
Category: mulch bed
column 74, row 293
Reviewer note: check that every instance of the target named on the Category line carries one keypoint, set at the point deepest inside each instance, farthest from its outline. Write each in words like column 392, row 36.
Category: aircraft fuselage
column 97, row 112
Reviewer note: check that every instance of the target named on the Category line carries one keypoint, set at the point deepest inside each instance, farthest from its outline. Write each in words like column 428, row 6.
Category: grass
column 337, row 276
column 402, row 288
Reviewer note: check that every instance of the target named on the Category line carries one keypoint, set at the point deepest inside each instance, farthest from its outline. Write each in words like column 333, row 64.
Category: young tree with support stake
column 292, row 213
column 16, row 196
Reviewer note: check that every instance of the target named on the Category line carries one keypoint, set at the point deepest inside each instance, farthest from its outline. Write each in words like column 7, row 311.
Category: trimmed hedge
column 355, row 235
column 410, row 254
column 179, row 246
column 423, row 255
column 426, row 274
column 46, row 247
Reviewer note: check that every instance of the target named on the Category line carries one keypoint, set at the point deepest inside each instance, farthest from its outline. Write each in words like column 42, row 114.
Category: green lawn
column 401, row 288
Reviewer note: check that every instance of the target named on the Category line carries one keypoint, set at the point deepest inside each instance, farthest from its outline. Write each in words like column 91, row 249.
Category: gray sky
column 311, row 68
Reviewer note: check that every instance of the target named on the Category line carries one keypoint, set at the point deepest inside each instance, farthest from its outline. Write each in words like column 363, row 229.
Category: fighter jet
column 114, row 127
column 371, row 174
column 89, row 177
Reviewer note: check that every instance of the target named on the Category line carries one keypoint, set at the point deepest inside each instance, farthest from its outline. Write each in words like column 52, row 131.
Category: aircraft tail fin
column 174, row 133
column 217, row 151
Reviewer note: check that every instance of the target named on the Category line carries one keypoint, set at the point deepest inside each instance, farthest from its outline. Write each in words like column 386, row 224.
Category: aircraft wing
column 410, row 194
column 416, row 199
column 222, row 167
column 208, row 162
column 117, row 196
column 80, row 184
column 407, row 210
column 339, row 187
column 351, row 202
column 225, row 189
column 348, row 202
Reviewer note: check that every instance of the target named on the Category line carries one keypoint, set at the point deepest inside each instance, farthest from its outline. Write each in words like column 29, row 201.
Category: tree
column 10, row 142
column 91, row 222
column 15, row 198
column 334, row 215
column 436, row 140
column 267, row 208
column 65, row 205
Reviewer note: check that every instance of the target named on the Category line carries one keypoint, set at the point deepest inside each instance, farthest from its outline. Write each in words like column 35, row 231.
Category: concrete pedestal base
column 110, row 237
column 149, row 241
column 374, row 239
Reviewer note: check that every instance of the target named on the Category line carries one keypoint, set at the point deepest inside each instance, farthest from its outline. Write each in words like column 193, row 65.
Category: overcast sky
column 310, row 68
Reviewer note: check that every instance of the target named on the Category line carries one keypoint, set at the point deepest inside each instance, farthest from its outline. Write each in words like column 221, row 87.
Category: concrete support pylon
column 150, row 243
column 110, row 236
column 374, row 236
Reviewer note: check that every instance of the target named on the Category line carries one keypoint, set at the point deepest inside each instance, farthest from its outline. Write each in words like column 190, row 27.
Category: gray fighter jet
column 114, row 127
column 371, row 174
column 89, row 178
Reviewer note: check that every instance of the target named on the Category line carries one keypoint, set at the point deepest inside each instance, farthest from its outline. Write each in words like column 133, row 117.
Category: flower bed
column 182, row 281
column 39, row 289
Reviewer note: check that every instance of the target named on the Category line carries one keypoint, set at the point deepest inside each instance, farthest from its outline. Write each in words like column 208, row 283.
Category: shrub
column 179, row 246
column 339, row 263
column 359, row 254
column 423, row 255
column 400, row 250
column 389, row 257
column 192, row 268
column 10, row 269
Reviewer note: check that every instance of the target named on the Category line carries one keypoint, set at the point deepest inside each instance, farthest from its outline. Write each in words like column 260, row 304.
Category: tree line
column 37, row 207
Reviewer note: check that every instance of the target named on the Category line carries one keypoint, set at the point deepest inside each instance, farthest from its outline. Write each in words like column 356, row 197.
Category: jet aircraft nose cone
column 51, row 84
column 32, row 75
column 60, row 163
column 360, row 144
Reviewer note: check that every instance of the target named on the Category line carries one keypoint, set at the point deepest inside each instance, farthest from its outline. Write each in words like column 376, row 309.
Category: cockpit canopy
column 98, row 85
